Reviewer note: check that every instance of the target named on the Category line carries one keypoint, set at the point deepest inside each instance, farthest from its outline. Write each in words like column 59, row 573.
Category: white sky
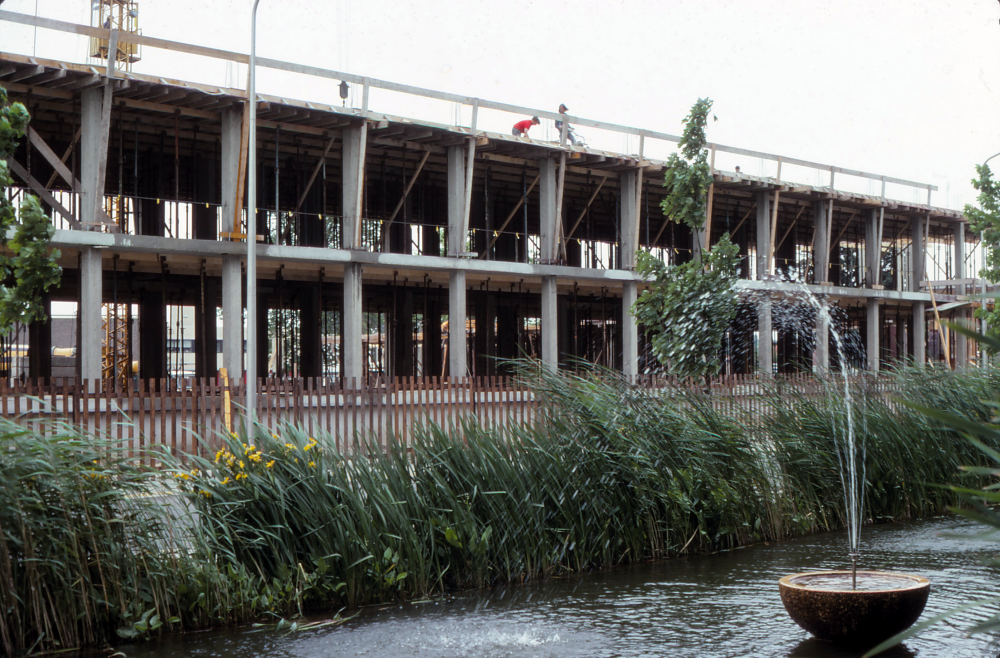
column 902, row 88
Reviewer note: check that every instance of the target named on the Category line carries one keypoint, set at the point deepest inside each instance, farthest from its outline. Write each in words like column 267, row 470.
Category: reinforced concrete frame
column 526, row 247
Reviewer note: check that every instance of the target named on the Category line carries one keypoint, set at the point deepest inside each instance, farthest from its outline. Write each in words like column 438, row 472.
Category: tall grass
column 612, row 474
column 92, row 547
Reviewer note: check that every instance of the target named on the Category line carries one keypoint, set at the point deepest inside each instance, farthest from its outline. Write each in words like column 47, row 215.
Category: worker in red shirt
column 521, row 127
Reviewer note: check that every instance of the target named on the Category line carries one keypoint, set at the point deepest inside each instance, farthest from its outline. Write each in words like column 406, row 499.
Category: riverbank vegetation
column 273, row 526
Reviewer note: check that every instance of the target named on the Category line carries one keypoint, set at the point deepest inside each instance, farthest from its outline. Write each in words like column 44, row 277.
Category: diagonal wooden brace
column 43, row 194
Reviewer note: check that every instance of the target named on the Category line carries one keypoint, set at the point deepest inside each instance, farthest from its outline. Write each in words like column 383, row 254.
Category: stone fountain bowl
column 823, row 603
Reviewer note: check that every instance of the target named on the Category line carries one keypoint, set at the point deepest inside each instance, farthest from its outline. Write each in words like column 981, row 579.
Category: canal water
column 711, row 606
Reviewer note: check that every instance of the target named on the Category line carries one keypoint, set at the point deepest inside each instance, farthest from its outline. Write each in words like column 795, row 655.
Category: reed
column 277, row 525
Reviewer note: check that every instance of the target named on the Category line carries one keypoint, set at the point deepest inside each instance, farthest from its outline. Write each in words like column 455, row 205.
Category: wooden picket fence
column 187, row 415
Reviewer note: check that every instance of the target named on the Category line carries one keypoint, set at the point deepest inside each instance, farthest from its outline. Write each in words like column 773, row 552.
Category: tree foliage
column 688, row 175
column 688, row 308
column 28, row 268
column 985, row 219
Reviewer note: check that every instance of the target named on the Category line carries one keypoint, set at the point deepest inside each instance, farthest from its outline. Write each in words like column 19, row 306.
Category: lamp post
column 251, row 235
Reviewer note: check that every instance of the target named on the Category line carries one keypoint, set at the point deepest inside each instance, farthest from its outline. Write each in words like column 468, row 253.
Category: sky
column 904, row 89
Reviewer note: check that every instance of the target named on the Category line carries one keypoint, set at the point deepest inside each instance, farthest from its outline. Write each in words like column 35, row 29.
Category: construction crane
column 121, row 15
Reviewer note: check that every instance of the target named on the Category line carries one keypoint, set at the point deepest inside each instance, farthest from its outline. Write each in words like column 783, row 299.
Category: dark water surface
column 710, row 606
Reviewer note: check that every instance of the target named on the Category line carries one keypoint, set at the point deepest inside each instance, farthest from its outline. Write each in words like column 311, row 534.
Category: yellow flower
column 313, row 464
column 274, row 436
column 255, row 457
column 225, row 480
column 270, row 464
column 240, row 476
column 206, row 494
column 291, row 446
column 242, row 465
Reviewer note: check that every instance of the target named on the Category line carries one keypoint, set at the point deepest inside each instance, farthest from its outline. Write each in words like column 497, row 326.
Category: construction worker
column 521, row 127
column 570, row 135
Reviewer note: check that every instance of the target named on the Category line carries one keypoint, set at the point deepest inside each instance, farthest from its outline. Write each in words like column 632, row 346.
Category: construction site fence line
column 187, row 415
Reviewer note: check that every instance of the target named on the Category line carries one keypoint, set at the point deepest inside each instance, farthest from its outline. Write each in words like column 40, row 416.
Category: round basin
column 884, row 603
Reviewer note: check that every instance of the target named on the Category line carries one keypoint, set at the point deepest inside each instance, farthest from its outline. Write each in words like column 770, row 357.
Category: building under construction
column 375, row 232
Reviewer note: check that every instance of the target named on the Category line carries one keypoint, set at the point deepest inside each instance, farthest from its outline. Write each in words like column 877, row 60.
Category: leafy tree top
column 985, row 219
column 29, row 268
column 689, row 175
column 688, row 308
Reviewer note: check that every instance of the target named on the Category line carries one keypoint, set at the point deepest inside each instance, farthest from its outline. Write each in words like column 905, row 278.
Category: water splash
column 801, row 311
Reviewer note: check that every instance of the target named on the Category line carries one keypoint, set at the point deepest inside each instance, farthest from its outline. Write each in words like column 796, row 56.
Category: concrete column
column 91, row 101
column 919, row 337
column 630, row 332
column 457, row 366
column 821, row 350
column 962, row 315
column 91, row 337
column 550, row 323
column 765, row 348
column 917, row 225
column 873, row 326
column 763, row 232
column 353, row 365
column 765, row 363
column 916, row 277
column 822, row 217
column 873, row 250
column 232, row 268
column 232, row 316
column 456, row 205
column 352, row 179
column 548, row 240
column 630, row 218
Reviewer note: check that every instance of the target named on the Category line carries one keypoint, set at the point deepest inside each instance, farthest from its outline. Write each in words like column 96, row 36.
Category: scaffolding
column 116, row 359
column 121, row 15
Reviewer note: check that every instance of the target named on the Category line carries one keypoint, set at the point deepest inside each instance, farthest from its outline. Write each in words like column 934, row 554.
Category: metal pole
column 251, row 357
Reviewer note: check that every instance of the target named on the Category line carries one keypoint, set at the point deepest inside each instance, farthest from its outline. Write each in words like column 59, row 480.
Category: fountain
column 851, row 607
